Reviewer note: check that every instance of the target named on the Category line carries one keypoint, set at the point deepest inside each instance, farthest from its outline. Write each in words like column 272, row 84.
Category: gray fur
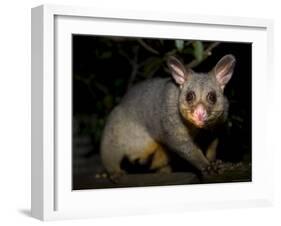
column 154, row 111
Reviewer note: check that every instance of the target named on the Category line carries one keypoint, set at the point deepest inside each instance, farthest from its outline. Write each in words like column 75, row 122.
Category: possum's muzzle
column 199, row 116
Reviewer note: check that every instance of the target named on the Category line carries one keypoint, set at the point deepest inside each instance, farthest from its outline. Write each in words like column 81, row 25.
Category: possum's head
column 201, row 99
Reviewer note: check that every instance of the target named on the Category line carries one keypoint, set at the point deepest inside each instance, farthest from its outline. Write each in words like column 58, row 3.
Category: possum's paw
column 165, row 170
column 115, row 177
column 101, row 175
column 215, row 167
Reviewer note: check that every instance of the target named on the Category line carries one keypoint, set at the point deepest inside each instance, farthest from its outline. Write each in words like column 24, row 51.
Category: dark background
column 104, row 68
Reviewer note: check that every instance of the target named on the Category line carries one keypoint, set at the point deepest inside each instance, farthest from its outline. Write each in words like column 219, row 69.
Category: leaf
column 188, row 50
column 153, row 65
column 108, row 101
column 106, row 55
column 179, row 44
column 118, row 82
column 198, row 50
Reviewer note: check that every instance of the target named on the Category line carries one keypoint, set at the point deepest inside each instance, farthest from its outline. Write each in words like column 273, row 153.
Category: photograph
column 157, row 112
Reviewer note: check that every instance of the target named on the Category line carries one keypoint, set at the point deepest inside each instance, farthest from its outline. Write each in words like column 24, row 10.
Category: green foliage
column 179, row 44
column 198, row 50
column 153, row 64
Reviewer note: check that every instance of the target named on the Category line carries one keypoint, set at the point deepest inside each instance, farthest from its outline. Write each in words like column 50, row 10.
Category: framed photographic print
column 136, row 112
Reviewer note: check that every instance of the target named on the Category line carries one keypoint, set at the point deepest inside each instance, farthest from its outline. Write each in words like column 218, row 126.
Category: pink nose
column 200, row 113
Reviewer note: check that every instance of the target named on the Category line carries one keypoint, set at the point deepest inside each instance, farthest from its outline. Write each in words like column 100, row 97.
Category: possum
column 163, row 115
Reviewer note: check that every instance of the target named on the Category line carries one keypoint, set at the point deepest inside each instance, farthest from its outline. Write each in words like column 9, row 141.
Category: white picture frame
column 52, row 195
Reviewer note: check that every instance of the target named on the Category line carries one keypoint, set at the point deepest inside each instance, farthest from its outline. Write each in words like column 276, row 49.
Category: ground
column 88, row 173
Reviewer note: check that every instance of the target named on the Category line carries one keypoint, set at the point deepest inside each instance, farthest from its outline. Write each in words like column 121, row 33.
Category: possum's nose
column 200, row 114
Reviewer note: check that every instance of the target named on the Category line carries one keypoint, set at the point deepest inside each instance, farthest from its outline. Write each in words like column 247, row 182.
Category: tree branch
column 134, row 64
column 206, row 54
column 147, row 47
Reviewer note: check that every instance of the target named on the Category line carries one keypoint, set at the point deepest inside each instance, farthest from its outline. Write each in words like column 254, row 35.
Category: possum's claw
column 115, row 177
column 214, row 168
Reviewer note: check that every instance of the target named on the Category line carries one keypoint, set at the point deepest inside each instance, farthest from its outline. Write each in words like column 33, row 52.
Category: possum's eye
column 212, row 97
column 190, row 96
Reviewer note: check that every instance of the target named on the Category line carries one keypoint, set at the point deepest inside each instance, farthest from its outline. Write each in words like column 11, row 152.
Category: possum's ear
column 179, row 72
column 224, row 70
